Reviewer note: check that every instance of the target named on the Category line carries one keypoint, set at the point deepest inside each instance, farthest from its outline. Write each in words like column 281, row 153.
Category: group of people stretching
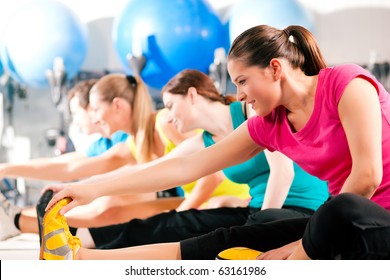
column 297, row 166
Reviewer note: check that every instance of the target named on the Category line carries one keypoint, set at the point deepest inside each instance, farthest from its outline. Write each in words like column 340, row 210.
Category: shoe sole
column 40, row 209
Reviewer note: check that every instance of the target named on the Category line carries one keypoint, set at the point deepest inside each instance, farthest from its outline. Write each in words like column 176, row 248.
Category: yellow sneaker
column 238, row 253
column 57, row 241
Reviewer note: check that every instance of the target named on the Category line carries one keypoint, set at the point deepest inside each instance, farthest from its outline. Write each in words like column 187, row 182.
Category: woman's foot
column 8, row 211
column 57, row 241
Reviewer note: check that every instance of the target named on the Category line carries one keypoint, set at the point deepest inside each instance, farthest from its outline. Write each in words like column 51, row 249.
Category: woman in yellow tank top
column 151, row 137
column 211, row 197
column 198, row 194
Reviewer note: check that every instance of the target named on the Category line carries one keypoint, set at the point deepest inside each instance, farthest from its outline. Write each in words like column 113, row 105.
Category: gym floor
column 24, row 246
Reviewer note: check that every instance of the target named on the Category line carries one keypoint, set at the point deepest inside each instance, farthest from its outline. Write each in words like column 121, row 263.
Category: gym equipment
column 8, row 66
column 36, row 35
column 1, row 69
column 218, row 70
column 277, row 13
column 171, row 35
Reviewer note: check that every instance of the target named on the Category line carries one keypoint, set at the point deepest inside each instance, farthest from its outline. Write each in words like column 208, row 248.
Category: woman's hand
column 281, row 253
column 80, row 194
column 54, row 187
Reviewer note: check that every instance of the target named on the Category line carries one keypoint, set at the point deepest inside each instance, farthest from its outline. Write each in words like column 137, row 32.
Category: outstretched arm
column 189, row 146
column 234, row 149
column 202, row 191
column 40, row 168
column 70, row 167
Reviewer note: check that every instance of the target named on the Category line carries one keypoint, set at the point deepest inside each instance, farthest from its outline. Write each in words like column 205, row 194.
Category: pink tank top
column 321, row 146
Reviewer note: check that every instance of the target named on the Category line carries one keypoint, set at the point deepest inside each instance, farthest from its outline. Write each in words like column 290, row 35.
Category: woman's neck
column 216, row 119
column 301, row 97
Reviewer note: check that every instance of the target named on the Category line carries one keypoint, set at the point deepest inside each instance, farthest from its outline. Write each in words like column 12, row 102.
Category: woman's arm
column 187, row 147
column 280, row 179
column 291, row 250
column 202, row 191
column 114, row 158
column 360, row 115
column 233, row 149
column 40, row 168
column 71, row 168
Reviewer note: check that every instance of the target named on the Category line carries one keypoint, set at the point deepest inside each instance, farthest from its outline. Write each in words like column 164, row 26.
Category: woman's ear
column 192, row 94
column 118, row 103
column 276, row 67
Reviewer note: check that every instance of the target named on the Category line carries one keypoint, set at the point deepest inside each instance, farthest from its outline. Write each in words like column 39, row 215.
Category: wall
column 347, row 31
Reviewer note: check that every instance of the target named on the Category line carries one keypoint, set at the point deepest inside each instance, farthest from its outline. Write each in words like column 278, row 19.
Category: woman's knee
column 225, row 201
column 346, row 206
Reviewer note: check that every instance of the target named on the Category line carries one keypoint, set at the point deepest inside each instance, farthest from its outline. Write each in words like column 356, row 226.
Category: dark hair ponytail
column 259, row 44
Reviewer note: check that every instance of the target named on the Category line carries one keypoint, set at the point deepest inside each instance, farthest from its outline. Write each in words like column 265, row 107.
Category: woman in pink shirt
column 332, row 121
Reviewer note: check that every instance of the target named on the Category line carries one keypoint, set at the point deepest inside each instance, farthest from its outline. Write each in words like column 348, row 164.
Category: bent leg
column 261, row 237
column 275, row 214
column 225, row 201
column 348, row 227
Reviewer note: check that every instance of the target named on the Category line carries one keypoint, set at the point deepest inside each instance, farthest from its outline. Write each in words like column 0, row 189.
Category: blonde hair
column 134, row 91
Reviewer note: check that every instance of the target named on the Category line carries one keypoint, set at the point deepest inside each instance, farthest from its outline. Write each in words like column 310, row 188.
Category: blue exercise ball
column 36, row 35
column 226, row 27
column 8, row 66
column 277, row 13
column 172, row 35
column 1, row 69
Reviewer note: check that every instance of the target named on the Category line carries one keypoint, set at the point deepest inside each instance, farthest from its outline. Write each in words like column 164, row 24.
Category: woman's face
column 81, row 117
column 256, row 86
column 105, row 114
column 180, row 113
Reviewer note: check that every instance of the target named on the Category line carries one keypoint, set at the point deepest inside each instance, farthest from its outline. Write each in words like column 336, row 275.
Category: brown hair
column 205, row 87
column 81, row 91
column 135, row 92
column 259, row 44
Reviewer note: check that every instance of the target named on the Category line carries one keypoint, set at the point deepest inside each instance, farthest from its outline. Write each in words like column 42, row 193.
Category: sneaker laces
column 74, row 241
column 75, row 244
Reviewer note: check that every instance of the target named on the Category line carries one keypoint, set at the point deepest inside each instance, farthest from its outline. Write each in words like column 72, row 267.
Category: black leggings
column 347, row 226
column 175, row 226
